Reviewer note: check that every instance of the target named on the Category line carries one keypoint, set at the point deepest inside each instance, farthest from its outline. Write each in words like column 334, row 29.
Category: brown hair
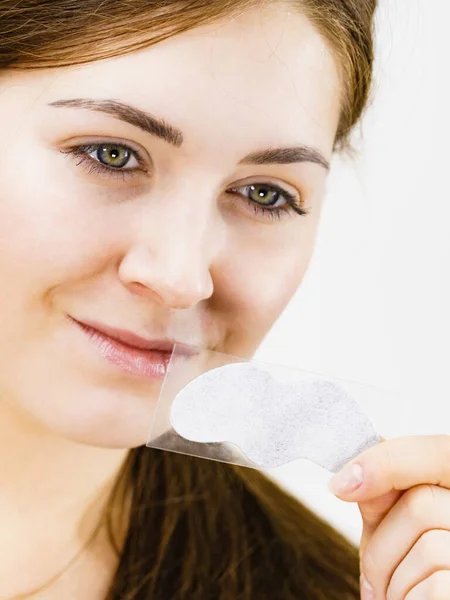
column 197, row 529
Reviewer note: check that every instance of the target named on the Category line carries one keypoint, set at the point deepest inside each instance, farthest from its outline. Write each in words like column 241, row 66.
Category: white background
column 374, row 306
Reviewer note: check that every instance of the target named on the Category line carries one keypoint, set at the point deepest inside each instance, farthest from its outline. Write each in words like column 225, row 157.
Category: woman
column 163, row 168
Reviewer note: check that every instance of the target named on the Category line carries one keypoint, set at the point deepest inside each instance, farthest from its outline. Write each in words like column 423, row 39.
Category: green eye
column 263, row 194
column 113, row 155
column 270, row 200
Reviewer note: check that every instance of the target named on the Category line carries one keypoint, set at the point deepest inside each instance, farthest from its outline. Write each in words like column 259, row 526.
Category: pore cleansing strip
column 241, row 413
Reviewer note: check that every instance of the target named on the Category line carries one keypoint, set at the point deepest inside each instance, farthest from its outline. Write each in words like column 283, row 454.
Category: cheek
column 52, row 240
column 259, row 279
column 49, row 233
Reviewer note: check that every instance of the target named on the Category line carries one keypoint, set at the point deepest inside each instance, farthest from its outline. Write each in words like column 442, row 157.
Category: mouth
column 131, row 353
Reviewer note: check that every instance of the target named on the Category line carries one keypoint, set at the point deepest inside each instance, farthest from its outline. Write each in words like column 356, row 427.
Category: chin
column 99, row 420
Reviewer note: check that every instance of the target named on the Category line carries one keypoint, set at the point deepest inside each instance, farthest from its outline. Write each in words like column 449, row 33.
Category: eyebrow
column 174, row 136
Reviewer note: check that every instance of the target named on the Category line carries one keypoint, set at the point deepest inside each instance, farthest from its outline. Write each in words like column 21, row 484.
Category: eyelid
column 142, row 156
column 289, row 190
column 291, row 207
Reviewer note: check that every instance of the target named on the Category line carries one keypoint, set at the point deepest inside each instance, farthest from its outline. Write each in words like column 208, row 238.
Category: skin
column 404, row 500
column 169, row 252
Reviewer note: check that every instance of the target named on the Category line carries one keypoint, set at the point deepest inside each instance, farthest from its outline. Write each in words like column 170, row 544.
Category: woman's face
column 180, row 228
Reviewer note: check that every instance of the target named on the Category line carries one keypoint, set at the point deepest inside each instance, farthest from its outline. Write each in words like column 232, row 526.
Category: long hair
column 196, row 529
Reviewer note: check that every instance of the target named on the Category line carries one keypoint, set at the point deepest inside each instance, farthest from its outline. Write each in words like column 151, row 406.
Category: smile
column 130, row 353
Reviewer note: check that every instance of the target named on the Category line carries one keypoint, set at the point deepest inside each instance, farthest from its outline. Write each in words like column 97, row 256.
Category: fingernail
column 366, row 590
column 347, row 480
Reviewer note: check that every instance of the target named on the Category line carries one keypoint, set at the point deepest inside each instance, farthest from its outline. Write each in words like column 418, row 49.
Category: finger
column 420, row 509
column 373, row 512
column 396, row 464
column 435, row 587
column 431, row 553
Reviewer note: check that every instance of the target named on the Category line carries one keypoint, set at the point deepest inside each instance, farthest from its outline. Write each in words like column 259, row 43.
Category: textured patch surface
column 272, row 422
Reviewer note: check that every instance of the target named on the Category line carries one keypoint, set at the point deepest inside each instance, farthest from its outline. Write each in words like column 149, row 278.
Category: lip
column 132, row 353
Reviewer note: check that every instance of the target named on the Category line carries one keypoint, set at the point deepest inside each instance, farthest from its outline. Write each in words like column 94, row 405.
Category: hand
column 402, row 488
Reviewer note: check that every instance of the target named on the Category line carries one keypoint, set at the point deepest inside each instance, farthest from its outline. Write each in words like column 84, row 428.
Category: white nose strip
column 243, row 406
column 272, row 423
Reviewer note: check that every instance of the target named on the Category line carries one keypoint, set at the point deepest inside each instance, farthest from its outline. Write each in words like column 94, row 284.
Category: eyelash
column 95, row 166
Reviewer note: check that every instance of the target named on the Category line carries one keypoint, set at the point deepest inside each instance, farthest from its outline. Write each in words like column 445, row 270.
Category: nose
column 169, row 260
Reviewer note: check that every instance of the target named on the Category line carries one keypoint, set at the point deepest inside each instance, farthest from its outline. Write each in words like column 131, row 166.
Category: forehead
column 266, row 73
